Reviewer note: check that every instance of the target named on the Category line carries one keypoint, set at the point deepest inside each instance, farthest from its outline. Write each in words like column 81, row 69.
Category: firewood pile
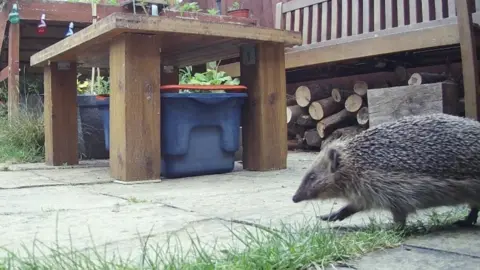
column 314, row 119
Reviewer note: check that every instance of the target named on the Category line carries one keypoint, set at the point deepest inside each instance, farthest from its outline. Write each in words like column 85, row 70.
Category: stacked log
column 320, row 116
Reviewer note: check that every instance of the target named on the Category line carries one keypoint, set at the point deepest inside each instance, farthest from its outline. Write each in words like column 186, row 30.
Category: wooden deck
column 338, row 30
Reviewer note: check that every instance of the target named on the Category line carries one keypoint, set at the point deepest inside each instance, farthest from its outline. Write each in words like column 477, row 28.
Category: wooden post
column 60, row 114
column 264, row 119
column 135, row 108
column 469, row 58
column 13, row 71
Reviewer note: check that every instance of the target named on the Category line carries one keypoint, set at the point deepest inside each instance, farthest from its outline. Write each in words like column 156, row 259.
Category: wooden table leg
column 264, row 122
column 60, row 114
column 135, row 108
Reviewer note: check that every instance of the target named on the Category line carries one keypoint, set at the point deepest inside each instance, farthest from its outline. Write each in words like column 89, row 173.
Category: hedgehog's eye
column 311, row 176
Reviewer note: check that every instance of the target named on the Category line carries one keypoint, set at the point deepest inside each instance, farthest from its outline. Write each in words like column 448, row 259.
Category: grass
column 307, row 245
column 22, row 139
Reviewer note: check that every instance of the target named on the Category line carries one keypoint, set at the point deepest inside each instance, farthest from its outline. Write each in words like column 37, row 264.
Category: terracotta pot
column 244, row 13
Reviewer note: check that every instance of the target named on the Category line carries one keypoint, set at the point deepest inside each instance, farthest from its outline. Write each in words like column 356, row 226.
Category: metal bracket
column 63, row 65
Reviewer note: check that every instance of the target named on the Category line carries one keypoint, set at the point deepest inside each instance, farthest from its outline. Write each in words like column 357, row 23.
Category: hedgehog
column 415, row 162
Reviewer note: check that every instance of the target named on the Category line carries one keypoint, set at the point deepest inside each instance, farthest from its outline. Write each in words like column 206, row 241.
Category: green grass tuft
column 307, row 245
column 22, row 139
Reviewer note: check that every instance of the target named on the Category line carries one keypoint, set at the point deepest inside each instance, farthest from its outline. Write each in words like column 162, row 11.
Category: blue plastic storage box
column 200, row 132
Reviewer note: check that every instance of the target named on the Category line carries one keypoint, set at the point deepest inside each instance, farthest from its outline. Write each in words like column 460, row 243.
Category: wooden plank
column 314, row 23
column 135, row 106
column 334, row 21
column 296, row 24
column 355, row 18
column 451, row 8
column 388, row 14
column 60, row 115
column 306, row 28
column 389, row 104
column 344, row 21
column 377, row 15
column 433, row 34
column 60, row 11
column 469, row 58
column 13, row 72
column 324, row 32
column 413, row 12
column 366, row 16
column 264, row 120
column 115, row 24
column 438, row 9
column 294, row 5
column 401, row 12
column 278, row 16
column 425, row 10
column 288, row 21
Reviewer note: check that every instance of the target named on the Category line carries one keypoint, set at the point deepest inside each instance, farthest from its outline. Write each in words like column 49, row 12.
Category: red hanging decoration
column 42, row 26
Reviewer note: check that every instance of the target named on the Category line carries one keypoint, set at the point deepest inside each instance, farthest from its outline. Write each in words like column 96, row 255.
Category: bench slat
column 344, row 20
column 425, row 10
column 324, row 32
column 438, row 9
column 413, row 12
column 288, row 21
column 401, row 12
column 306, row 19
column 278, row 16
column 296, row 24
column 377, row 15
column 388, row 14
column 451, row 8
column 314, row 23
column 334, row 17
column 355, row 18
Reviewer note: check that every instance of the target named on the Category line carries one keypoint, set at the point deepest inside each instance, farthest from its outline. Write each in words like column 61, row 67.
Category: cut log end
column 425, row 77
column 336, row 95
column 362, row 116
column 360, row 88
column 316, row 110
column 353, row 103
column 303, row 96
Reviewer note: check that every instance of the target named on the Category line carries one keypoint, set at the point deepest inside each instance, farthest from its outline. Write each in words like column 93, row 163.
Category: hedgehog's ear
column 334, row 157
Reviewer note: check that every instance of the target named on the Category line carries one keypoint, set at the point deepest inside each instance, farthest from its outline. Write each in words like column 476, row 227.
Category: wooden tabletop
column 181, row 41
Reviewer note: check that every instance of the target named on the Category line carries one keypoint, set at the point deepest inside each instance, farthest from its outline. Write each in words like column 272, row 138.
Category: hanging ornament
column 70, row 30
column 14, row 17
column 42, row 26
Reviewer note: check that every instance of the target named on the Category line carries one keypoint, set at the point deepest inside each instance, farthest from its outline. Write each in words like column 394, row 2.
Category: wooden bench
column 338, row 30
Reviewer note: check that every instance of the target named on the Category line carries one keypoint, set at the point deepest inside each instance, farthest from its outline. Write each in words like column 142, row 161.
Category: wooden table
column 135, row 47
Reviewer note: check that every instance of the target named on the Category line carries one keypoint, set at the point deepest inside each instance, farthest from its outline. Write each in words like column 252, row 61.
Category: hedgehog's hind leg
column 399, row 217
column 471, row 219
column 341, row 214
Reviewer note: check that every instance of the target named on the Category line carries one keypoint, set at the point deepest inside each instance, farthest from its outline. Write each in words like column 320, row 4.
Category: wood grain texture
column 13, row 71
column 469, row 55
column 388, row 104
column 135, row 148
column 176, row 35
column 264, row 118
column 60, row 115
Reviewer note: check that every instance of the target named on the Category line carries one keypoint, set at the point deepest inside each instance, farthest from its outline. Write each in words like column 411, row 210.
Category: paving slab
column 77, row 176
column 415, row 258
column 462, row 241
column 11, row 180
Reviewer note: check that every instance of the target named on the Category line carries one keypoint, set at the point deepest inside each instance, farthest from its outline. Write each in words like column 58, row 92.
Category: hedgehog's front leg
column 341, row 214
column 470, row 220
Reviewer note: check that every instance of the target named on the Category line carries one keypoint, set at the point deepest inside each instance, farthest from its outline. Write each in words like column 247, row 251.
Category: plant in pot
column 236, row 10
column 200, row 123
column 92, row 100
